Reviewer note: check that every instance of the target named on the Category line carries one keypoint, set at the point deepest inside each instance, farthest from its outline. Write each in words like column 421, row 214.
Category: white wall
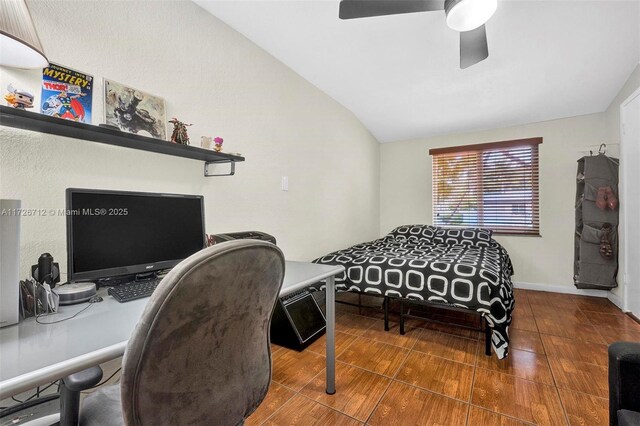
column 211, row 76
column 405, row 195
column 612, row 114
column 612, row 120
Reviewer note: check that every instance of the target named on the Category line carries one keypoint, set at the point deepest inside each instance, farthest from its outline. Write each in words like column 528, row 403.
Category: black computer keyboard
column 134, row 290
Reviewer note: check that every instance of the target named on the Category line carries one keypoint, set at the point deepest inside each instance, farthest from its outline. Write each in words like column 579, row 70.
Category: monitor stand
column 146, row 276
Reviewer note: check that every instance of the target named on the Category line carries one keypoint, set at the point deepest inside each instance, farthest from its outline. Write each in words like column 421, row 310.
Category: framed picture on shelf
column 134, row 111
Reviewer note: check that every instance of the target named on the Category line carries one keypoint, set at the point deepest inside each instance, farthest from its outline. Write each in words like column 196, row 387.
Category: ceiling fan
column 465, row 16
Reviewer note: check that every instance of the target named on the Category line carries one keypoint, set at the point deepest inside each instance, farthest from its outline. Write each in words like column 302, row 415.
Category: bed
column 461, row 268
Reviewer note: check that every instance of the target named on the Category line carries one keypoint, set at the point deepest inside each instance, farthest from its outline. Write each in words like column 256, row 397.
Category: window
column 492, row 185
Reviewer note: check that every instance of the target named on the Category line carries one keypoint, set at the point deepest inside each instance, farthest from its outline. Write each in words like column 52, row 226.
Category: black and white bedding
column 464, row 268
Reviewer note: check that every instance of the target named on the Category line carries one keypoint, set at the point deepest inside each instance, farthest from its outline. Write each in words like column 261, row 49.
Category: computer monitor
column 115, row 233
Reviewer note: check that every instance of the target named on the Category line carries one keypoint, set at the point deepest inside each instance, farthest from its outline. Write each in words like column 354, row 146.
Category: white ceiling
column 400, row 74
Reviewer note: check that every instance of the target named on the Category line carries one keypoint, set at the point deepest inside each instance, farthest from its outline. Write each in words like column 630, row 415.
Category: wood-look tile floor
column 556, row 373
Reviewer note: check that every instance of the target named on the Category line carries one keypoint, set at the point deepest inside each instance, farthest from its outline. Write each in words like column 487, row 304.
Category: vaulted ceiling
column 400, row 74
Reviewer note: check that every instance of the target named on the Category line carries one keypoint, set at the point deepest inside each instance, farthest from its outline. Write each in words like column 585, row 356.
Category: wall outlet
column 284, row 184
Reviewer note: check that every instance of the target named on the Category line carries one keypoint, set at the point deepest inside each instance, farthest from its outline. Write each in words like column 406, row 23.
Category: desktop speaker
column 297, row 321
column 46, row 271
column 9, row 261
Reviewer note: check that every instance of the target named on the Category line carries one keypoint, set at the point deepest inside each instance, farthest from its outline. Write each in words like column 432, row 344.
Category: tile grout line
column 306, row 383
column 404, row 361
column 398, row 346
column 500, row 414
column 371, row 371
column 430, row 391
column 520, row 378
column 277, row 409
column 596, row 329
column 331, row 408
column 473, row 384
column 441, row 357
column 366, row 422
column 391, row 381
column 582, row 393
column 357, row 368
column 570, row 338
column 553, row 376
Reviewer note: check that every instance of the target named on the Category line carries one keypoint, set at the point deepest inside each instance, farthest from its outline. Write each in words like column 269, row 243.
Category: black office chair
column 200, row 353
column 624, row 384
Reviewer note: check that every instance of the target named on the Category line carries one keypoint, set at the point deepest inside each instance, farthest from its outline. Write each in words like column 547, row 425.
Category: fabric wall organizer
column 597, row 217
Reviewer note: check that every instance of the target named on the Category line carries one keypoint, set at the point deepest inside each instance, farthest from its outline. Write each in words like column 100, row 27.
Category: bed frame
column 484, row 326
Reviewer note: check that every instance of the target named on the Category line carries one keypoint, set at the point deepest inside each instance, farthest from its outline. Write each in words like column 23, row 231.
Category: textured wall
column 406, row 191
column 211, row 76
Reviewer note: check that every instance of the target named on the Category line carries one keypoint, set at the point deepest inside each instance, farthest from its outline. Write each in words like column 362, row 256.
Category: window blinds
column 493, row 185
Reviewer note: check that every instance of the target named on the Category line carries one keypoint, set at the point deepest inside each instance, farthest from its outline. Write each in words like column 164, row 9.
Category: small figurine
column 218, row 144
column 18, row 99
column 179, row 134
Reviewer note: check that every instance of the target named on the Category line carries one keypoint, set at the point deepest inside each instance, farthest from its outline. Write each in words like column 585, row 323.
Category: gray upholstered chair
column 624, row 384
column 200, row 354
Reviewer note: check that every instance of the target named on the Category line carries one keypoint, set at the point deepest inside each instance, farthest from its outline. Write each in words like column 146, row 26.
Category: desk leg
column 330, row 300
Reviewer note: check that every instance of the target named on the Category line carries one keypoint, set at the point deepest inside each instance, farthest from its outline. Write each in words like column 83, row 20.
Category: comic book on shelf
column 66, row 93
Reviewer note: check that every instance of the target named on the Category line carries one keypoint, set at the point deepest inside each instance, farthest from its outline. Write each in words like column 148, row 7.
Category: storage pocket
column 590, row 192
column 593, row 270
column 591, row 234
column 595, row 216
column 590, row 245
column 596, row 275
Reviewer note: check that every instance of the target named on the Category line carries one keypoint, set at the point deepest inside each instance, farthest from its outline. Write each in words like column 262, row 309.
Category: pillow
column 465, row 236
column 413, row 232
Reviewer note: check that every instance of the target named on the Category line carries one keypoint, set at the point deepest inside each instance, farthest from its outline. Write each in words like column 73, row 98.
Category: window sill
column 515, row 234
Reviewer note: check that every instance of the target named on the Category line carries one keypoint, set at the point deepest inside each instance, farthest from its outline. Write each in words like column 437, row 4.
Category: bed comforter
column 464, row 268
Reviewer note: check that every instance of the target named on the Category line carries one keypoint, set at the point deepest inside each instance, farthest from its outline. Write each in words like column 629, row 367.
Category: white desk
column 33, row 354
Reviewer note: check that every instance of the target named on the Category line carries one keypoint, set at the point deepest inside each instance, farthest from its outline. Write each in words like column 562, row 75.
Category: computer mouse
column 95, row 299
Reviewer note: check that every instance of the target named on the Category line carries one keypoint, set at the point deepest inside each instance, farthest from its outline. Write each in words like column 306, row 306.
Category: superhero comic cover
column 66, row 93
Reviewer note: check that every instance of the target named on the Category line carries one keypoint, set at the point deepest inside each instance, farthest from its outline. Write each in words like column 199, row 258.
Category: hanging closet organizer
column 597, row 218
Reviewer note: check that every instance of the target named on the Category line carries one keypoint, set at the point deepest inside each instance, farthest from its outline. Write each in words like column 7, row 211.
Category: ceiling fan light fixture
column 467, row 15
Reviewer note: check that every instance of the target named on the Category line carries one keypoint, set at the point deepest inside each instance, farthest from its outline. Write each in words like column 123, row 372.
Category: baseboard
column 556, row 288
column 616, row 300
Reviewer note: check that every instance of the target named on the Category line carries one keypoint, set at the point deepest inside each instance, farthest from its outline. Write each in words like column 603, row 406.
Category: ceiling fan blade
column 350, row 9
column 473, row 47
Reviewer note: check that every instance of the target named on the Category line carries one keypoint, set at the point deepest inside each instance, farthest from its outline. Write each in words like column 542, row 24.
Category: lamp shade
column 20, row 46
column 467, row 15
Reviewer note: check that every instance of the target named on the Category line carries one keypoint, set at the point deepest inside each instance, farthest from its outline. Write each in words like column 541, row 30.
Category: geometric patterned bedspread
column 465, row 268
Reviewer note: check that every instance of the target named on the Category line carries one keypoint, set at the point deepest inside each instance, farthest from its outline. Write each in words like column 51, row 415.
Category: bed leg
column 401, row 317
column 487, row 339
column 385, row 307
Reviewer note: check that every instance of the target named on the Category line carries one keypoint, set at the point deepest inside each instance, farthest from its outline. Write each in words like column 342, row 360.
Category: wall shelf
column 21, row 119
